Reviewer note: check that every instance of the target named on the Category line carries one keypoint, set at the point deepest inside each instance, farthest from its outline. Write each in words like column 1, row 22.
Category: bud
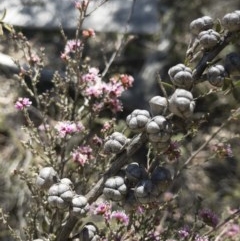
column 115, row 188
column 158, row 129
column 209, row 38
column 60, row 195
column 135, row 172
column 47, row 177
column 231, row 21
column 115, row 143
column 158, row 105
column 137, row 120
column 181, row 103
column 181, row 76
column 146, row 192
column 89, row 233
column 79, row 205
column 216, row 75
column 200, row 24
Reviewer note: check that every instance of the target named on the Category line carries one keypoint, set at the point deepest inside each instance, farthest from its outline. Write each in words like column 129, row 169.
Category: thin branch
column 121, row 43
column 225, row 221
column 194, row 154
column 159, row 80
column 99, row 4
column 209, row 56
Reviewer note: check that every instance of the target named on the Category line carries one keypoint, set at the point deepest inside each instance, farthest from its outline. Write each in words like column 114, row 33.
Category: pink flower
column 71, row 46
column 115, row 105
column 96, row 140
column 108, row 125
column 201, row 238
column 79, row 157
column 184, row 232
column 22, row 103
column 82, row 154
column 233, row 230
column 94, row 91
column 127, row 80
column 92, row 77
column 88, row 33
column 98, row 107
column 114, row 89
column 121, row 217
column 68, row 128
column 33, row 59
column 81, row 5
column 78, row 5
column 103, row 209
column 64, row 56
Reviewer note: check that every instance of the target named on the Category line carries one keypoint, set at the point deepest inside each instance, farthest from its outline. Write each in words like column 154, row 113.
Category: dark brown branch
column 209, row 56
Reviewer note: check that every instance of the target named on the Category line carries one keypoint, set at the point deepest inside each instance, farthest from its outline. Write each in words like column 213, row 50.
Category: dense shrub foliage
column 93, row 178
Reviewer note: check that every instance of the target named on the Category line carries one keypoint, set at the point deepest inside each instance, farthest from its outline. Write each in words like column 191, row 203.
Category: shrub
column 79, row 152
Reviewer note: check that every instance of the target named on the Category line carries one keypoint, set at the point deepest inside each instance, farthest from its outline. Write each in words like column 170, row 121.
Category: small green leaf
column 167, row 85
column 237, row 83
column 227, row 84
column 236, row 94
column 218, row 26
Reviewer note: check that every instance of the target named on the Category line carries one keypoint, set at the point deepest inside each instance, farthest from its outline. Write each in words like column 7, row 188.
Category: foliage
column 87, row 178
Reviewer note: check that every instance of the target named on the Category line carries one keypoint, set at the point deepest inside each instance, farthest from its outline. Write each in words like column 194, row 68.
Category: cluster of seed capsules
column 208, row 38
column 61, row 195
column 136, row 185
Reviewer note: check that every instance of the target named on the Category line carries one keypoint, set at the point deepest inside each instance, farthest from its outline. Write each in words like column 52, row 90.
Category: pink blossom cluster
column 82, row 154
column 105, row 94
column 104, row 209
column 81, row 5
column 120, row 217
column 22, row 103
column 184, row 232
column 65, row 128
column 232, row 230
column 127, row 80
column 91, row 77
column 88, row 33
column 71, row 47
column 201, row 238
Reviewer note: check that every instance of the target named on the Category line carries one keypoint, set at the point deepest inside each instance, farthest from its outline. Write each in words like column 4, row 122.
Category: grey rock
column 110, row 17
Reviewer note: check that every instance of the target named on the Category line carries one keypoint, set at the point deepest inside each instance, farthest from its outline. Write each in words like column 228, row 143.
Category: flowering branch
column 118, row 162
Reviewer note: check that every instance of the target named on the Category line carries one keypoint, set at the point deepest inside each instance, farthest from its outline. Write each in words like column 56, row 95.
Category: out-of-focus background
column 159, row 33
